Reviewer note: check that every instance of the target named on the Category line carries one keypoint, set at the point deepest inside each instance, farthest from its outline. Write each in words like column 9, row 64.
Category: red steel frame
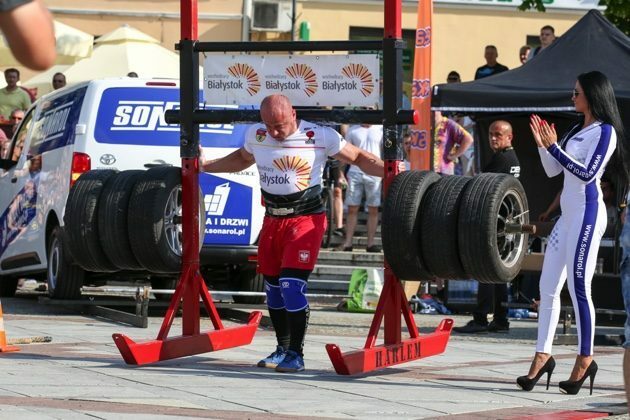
column 393, row 301
column 191, row 285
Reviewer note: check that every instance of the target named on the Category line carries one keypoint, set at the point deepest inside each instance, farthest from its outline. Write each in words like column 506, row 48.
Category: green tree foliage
column 617, row 11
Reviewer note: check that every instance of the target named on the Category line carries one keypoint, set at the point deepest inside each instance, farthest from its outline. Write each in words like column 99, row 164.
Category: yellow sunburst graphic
column 361, row 72
column 306, row 73
column 299, row 166
column 246, row 71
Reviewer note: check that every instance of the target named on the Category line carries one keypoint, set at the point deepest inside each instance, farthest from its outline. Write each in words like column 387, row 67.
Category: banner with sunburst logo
column 308, row 80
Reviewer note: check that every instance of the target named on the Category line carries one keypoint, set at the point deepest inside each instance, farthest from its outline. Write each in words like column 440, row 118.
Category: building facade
column 461, row 28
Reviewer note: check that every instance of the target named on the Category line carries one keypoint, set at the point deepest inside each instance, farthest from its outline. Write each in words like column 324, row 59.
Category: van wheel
column 155, row 226
column 8, row 286
column 112, row 219
column 250, row 281
column 401, row 224
column 491, row 253
column 64, row 279
column 81, row 221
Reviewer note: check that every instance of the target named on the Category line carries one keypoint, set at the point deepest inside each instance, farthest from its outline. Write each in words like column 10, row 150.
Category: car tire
column 154, row 215
column 401, row 224
column 490, row 254
column 63, row 279
column 440, row 215
column 154, row 234
column 8, row 286
column 81, row 221
column 113, row 219
column 250, row 281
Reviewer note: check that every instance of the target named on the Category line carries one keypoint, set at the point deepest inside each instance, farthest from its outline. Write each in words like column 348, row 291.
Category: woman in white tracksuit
column 571, row 254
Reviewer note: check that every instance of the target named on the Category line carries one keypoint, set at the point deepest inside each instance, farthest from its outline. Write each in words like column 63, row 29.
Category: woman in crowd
column 582, row 154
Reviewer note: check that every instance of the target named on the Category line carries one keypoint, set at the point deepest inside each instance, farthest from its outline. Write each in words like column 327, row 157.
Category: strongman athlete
column 290, row 156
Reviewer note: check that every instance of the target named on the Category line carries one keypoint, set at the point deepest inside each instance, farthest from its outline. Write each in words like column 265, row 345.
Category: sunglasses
column 576, row 93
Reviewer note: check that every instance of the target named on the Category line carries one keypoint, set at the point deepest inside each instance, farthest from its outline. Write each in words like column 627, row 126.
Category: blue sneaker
column 292, row 362
column 273, row 359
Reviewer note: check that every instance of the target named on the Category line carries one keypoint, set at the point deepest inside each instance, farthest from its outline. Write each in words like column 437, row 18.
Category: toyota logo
column 107, row 159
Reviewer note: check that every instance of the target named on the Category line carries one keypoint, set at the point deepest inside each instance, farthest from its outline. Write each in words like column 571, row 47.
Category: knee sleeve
column 293, row 291
column 274, row 296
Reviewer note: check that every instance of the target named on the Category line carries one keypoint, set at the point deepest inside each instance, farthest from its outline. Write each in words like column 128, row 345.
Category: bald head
column 278, row 115
column 500, row 135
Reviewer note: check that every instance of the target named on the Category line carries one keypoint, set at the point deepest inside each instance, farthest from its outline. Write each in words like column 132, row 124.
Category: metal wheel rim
column 510, row 246
column 172, row 213
column 173, row 228
column 54, row 259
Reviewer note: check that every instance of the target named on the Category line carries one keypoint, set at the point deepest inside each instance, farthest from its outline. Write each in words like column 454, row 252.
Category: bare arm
column 236, row 161
column 467, row 140
column 553, row 206
column 30, row 34
column 367, row 162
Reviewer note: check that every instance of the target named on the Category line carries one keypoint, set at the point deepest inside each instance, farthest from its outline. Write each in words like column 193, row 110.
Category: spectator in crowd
column 624, row 241
column 337, row 180
column 547, row 37
column 523, row 53
column 492, row 66
column 504, row 160
column 12, row 97
column 610, row 201
column 581, row 155
column 407, row 150
column 465, row 165
column 369, row 138
column 5, row 142
column 609, row 197
column 451, row 141
column 284, row 148
column 17, row 115
column 58, row 80
column 453, row 77
column 28, row 28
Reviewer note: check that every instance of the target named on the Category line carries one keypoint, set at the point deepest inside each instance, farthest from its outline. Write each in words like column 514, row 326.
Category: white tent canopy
column 117, row 53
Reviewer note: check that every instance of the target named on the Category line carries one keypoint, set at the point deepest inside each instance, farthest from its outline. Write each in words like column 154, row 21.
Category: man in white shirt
column 369, row 138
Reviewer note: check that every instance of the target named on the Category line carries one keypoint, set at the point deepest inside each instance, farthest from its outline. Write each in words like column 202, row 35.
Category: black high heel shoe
column 527, row 384
column 573, row 387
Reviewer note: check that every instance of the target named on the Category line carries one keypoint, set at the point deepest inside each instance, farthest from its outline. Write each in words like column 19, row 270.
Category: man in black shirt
column 492, row 66
column 504, row 161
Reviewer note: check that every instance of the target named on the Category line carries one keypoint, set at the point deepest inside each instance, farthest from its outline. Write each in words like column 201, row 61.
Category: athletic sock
column 298, row 323
column 280, row 322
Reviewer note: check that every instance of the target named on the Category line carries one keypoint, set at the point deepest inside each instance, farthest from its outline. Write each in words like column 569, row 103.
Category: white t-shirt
column 369, row 139
column 297, row 162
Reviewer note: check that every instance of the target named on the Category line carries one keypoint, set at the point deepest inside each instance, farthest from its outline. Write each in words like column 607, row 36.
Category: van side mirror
column 7, row 164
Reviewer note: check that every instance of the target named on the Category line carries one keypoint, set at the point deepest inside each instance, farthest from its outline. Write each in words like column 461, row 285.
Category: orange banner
column 421, row 89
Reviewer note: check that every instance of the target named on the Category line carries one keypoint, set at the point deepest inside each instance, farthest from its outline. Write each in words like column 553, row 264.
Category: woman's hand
column 534, row 125
column 544, row 134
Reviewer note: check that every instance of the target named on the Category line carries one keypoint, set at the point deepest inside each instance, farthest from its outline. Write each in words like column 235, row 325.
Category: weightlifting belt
column 304, row 202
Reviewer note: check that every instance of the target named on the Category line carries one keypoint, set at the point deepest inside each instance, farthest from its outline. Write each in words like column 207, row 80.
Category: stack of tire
column 455, row 227
column 129, row 220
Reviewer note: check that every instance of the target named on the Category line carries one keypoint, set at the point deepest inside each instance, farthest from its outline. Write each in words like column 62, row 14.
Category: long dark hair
column 603, row 106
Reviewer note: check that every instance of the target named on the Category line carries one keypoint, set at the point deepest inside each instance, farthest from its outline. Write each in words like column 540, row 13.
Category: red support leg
column 393, row 301
column 191, row 285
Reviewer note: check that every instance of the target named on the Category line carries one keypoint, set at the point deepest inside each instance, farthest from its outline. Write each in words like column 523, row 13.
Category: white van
column 114, row 124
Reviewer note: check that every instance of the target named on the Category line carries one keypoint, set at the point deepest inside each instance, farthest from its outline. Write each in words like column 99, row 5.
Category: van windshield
column 135, row 115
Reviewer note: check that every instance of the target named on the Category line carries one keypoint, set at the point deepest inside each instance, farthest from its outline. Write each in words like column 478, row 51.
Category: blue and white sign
column 228, row 206
column 136, row 116
column 55, row 124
